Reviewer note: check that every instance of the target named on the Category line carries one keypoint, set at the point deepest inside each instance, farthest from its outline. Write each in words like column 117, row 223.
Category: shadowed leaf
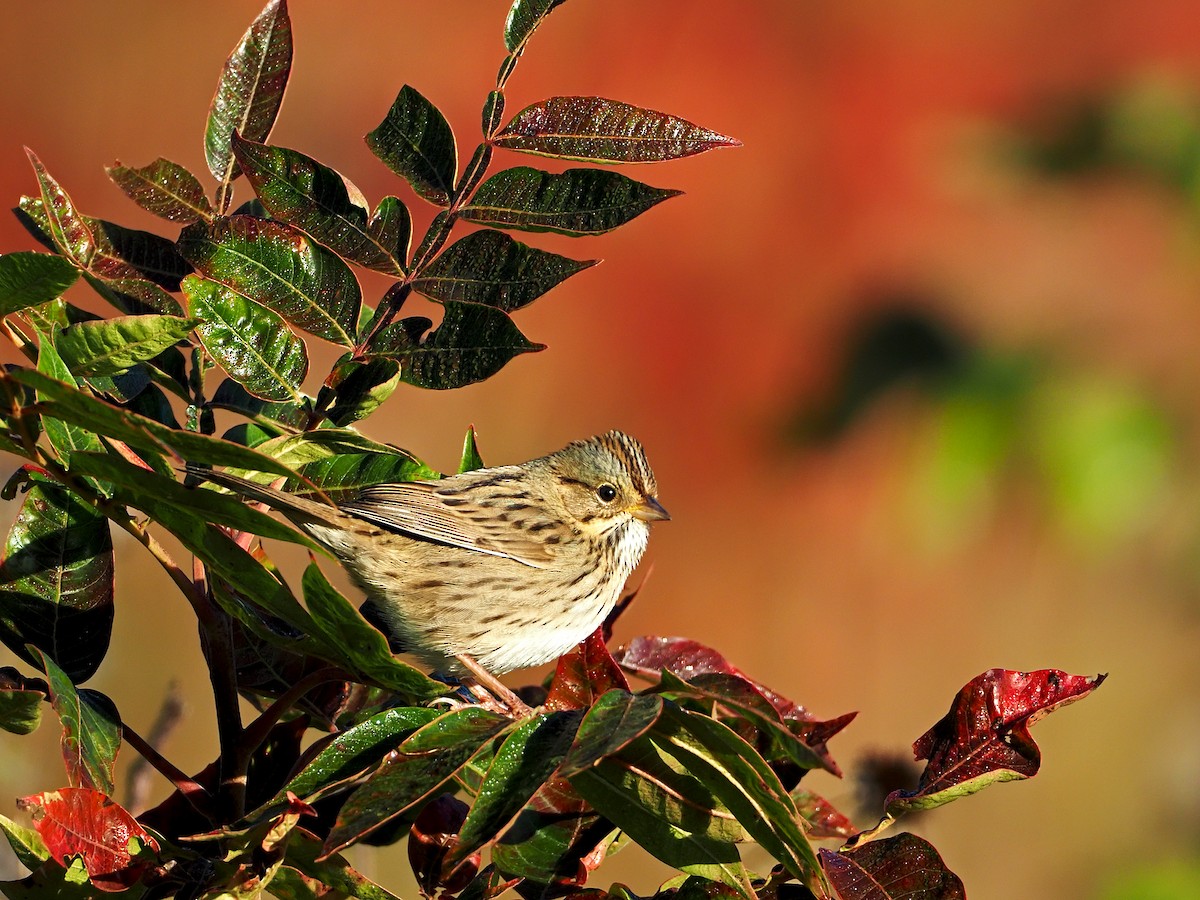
column 253, row 344
column 29, row 279
column 359, row 387
column 91, row 729
column 415, row 141
column 592, row 129
column 334, row 876
column 250, row 89
column 391, row 227
column 281, row 268
column 56, row 581
column 984, row 738
column 110, row 346
column 492, row 268
column 576, row 202
column 300, row 191
column 20, row 709
column 895, row 868
column 163, row 188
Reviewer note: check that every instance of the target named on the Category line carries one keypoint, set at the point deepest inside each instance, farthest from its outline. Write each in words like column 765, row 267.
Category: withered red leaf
column 904, row 866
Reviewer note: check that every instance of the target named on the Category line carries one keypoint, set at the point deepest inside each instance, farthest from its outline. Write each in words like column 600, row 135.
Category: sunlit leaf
column 281, row 268
column 250, row 89
column 576, row 202
column 110, row 346
column 415, row 141
column 592, row 129
column 584, row 674
column 824, row 820
column 29, row 279
column 492, row 268
column 472, row 344
column 91, row 729
column 27, row 845
column 65, row 436
column 56, row 581
column 163, row 188
column 253, row 344
column 66, row 226
column 523, row 18
column 984, row 738
column 333, row 873
column 471, row 459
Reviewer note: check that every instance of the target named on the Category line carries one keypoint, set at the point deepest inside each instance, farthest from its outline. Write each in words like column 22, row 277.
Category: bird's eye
column 607, row 493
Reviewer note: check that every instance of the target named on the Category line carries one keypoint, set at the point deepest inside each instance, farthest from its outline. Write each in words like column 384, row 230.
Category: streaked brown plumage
column 511, row 565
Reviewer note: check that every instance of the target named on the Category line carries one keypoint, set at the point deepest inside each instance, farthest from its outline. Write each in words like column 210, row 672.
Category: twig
column 138, row 775
column 193, row 792
column 258, row 730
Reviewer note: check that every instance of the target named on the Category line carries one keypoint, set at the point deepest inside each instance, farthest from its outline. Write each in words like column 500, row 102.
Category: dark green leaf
column 300, row 191
column 742, row 781
column 472, row 344
column 66, row 227
column 91, row 729
column 359, row 387
column 652, row 798
column 391, row 227
column 66, row 402
column 164, row 188
column 617, row 719
column 20, row 711
column 121, row 387
column 251, row 343
column 415, row 141
column 26, row 844
column 357, row 749
column 471, row 459
column 109, row 346
column 418, row 769
column 281, row 416
column 65, row 436
column 576, row 202
column 137, row 486
column 361, row 649
column 304, row 852
column 56, row 581
column 281, row 268
column 133, row 295
column 151, row 256
column 524, row 762
column 592, row 129
column 250, row 89
column 29, row 279
column 228, row 560
column 492, row 268
column 524, row 17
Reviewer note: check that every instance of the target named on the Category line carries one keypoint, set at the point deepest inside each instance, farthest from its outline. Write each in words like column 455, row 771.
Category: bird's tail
column 300, row 510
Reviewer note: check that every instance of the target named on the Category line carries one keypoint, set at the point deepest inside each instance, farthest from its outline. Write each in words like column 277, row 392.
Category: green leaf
column 359, row 387
column 20, row 710
column 391, row 227
column 523, row 19
column 133, row 295
column 362, row 649
column 668, row 812
column 126, row 252
column 310, row 446
column 471, row 460
column 281, row 268
column 250, row 89
column 616, row 720
column 91, row 730
column 251, row 343
column 64, row 401
column 66, row 226
column 26, row 843
column 592, row 129
column 110, row 346
column 525, row 761
column 29, row 279
column 492, row 268
column 300, row 191
column 281, row 416
column 472, row 344
column 304, row 852
column 742, row 781
column 56, row 581
column 419, row 768
column 165, row 189
column 415, row 141
column 357, row 749
column 576, row 202
column 64, row 436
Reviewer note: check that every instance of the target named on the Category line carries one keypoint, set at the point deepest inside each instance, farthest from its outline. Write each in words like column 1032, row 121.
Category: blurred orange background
column 1039, row 507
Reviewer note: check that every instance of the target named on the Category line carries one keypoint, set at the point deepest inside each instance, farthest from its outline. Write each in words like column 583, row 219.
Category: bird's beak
column 650, row 510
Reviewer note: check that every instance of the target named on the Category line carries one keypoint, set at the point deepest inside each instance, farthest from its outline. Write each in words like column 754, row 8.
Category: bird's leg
column 488, row 687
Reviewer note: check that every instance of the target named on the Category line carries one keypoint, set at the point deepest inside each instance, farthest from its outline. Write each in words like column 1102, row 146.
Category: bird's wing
column 416, row 509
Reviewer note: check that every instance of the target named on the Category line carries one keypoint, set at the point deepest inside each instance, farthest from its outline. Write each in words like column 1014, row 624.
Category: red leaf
column 431, row 839
column 984, row 738
column 647, row 656
column 86, row 823
column 67, row 227
column 904, row 866
column 824, row 819
column 584, row 674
